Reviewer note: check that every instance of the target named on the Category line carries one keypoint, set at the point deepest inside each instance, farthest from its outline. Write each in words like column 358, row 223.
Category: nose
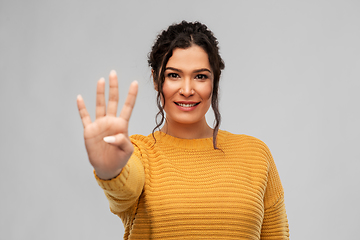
column 187, row 88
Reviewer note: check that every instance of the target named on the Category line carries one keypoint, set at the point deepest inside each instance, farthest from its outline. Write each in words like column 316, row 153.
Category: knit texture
column 185, row 189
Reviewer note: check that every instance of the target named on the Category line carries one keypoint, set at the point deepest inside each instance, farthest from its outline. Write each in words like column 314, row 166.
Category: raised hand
column 106, row 139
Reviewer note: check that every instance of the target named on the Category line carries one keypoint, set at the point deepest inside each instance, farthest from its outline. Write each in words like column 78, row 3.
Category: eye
column 201, row 76
column 173, row 75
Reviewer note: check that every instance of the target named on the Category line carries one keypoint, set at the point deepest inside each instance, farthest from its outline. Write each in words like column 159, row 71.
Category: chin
column 187, row 121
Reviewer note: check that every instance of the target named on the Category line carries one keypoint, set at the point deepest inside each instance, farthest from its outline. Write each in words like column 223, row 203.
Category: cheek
column 170, row 89
column 164, row 95
column 167, row 92
column 207, row 92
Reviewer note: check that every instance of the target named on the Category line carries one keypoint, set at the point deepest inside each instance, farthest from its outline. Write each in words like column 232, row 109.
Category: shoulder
column 141, row 140
column 240, row 139
column 143, row 145
column 138, row 137
column 242, row 142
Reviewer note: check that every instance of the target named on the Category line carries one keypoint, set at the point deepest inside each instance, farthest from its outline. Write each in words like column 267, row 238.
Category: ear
column 155, row 85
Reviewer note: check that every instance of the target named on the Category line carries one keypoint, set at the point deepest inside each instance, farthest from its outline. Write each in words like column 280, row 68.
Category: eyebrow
column 196, row 71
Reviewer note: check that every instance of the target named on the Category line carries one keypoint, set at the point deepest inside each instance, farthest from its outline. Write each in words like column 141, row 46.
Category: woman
column 187, row 180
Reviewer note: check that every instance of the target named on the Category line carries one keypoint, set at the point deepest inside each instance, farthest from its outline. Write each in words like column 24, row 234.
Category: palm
column 101, row 154
column 108, row 159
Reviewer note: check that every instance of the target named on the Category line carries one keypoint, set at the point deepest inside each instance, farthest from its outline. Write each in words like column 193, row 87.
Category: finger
column 84, row 115
column 121, row 141
column 130, row 101
column 100, row 99
column 113, row 94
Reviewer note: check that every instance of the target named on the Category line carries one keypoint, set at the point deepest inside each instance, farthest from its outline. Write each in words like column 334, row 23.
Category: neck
column 188, row 131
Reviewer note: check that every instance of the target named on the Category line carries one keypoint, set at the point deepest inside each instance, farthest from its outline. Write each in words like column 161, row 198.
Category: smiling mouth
column 187, row 104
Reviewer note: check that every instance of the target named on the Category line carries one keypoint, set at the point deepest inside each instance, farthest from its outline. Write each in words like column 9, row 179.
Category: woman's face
column 188, row 86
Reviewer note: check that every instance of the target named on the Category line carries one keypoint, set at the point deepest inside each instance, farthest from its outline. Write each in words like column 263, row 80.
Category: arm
column 117, row 167
column 275, row 224
column 124, row 190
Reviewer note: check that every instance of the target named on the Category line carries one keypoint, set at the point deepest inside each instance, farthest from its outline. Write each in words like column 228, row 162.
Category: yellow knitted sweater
column 185, row 189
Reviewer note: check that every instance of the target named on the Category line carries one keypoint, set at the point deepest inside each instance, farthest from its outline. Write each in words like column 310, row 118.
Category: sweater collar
column 201, row 143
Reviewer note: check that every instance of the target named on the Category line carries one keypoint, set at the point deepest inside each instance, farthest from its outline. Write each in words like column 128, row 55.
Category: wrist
column 107, row 175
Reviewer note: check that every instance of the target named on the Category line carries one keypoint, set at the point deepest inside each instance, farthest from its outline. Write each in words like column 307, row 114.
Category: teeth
column 186, row 105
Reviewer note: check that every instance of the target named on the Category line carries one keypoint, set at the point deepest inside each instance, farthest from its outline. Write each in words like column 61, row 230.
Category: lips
column 183, row 104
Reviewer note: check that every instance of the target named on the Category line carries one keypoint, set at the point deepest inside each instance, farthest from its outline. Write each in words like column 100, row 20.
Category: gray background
column 292, row 79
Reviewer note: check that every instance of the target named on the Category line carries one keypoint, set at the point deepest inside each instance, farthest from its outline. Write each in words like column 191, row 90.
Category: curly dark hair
column 184, row 35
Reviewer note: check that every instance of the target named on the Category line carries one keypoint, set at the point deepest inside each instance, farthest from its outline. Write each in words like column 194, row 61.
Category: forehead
column 190, row 58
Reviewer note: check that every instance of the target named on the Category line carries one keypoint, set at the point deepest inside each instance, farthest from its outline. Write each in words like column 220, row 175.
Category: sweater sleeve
column 124, row 190
column 275, row 224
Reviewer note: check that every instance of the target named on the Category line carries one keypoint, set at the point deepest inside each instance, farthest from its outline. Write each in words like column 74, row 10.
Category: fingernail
column 102, row 80
column 109, row 139
column 113, row 72
column 79, row 97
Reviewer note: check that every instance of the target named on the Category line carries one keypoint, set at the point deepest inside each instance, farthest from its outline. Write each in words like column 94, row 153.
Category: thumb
column 121, row 141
